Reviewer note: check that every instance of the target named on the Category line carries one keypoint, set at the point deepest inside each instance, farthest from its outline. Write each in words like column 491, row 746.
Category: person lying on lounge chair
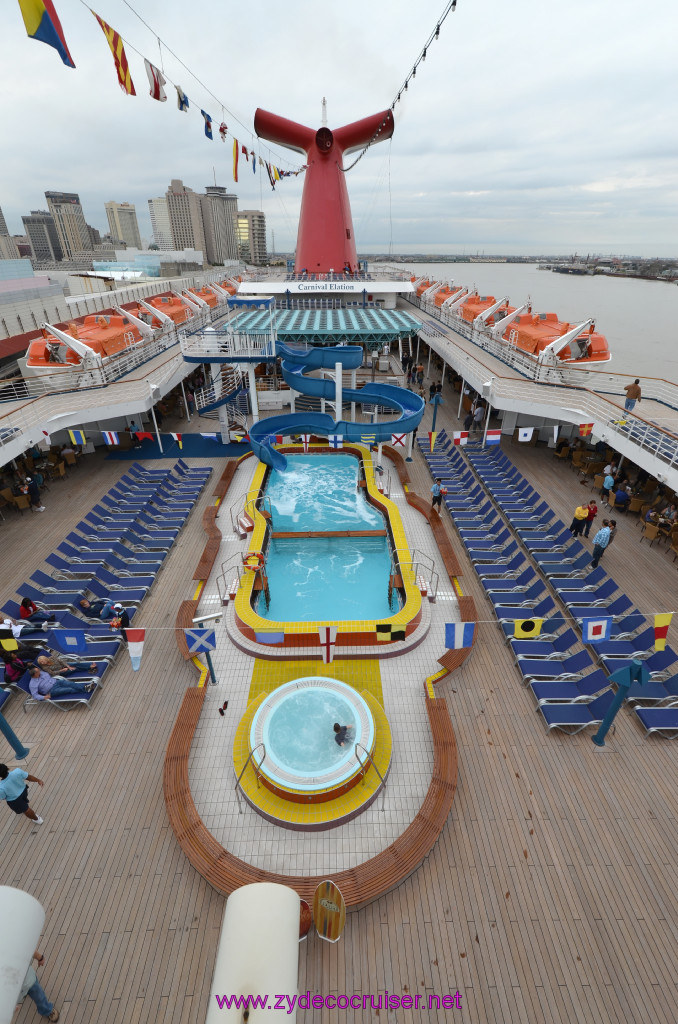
column 43, row 686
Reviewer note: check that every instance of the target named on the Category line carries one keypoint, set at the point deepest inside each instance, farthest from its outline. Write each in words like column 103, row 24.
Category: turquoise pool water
column 299, row 733
column 319, row 492
column 325, row 579
column 319, row 579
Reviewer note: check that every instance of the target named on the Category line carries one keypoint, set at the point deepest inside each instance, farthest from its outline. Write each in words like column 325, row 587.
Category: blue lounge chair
column 506, row 570
column 556, row 691
column 573, row 567
column 658, row 664
column 663, row 721
column 615, row 648
column 571, row 667
column 51, row 586
column 576, row 716
column 588, row 582
column 599, row 597
column 518, row 585
column 63, row 703
column 618, row 607
column 540, row 648
column 129, row 595
column 58, row 599
column 518, row 611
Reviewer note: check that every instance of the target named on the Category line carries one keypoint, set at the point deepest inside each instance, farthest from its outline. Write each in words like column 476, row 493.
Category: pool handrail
column 257, row 770
column 373, row 763
column 416, row 561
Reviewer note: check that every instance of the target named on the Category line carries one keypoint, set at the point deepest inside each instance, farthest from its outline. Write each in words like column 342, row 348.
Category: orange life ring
column 255, row 565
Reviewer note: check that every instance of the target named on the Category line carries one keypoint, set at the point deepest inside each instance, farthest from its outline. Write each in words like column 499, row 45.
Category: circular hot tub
column 302, row 760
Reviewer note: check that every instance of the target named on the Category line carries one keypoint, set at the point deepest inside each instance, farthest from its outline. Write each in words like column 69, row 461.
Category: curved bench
column 360, row 885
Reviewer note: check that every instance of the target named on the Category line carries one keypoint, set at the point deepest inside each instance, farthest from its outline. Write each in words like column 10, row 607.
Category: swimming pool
column 320, row 492
column 313, row 579
column 295, row 724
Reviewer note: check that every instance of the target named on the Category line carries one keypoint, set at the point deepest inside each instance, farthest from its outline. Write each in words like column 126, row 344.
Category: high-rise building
column 8, row 248
column 42, row 234
column 122, row 222
column 3, row 224
column 252, row 236
column 185, row 215
column 160, row 222
column 70, row 222
column 219, row 213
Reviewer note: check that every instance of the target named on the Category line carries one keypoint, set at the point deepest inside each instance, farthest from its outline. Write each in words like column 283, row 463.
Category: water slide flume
column 295, row 364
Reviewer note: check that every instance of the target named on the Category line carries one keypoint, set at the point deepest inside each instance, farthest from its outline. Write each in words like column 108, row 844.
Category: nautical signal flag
column 460, row 436
column 156, row 80
column 493, row 437
column 279, row 439
column 77, row 436
column 143, row 435
column 42, row 23
column 398, row 440
column 110, row 437
column 213, row 437
column 335, row 440
column 328, row 639
column 387, row 632
column 182, row 99
column 236, row 150
column 661, row 628
column 593, row 631
column 208, row 124
column 305, row 439
column 585, row 429
column 432, row 438
column 119, row 56
column 368, row 438
column 459, row 634
column 525, row 629
column 135, row 645
column 177, row 438
column 9, row 644
column 525, row 433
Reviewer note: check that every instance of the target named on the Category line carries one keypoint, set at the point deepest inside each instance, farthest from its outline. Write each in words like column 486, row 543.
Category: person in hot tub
column 340, row 733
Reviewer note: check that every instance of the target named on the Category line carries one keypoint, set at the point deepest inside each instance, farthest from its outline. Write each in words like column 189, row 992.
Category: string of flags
column 460, row 635
column 42, row 23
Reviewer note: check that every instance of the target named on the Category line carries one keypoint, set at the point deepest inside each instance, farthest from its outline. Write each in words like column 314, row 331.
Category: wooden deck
column 550, row 895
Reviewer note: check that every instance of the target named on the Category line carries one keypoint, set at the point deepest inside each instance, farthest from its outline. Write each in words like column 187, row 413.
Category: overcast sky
column 533, row 126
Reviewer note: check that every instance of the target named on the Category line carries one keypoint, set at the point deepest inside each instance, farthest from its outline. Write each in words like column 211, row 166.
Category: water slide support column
column 338, row 391
column 253, row 394
column 223, row 424
column 417, row 355
column 442, row 376
column 354, row 385
column 461, row 397
column 428, row 364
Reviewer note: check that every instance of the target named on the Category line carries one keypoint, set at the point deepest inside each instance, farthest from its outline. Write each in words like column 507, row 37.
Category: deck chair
column 520, row 584
column 589, row 581
column 541, row 648
column 506, row 570
column 599, row 598
column 63, row 703
column 659, row 664
column 574, row 717
column 571, row 667
column 556, row 691
column 663, row 721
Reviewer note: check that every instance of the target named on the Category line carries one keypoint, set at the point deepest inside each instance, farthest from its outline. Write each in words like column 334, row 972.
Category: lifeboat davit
column 444, row 293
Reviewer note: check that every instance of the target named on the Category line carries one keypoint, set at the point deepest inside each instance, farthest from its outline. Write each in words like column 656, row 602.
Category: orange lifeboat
column 106, row 334
column 172, row 306
column 421, row 288
column 206, row 294
column 477, row 304
column 534, row 332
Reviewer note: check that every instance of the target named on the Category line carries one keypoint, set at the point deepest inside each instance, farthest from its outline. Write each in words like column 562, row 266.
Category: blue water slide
column 295, row 363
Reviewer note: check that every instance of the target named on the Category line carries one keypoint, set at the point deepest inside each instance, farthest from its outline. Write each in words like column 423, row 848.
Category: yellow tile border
column 406, row 614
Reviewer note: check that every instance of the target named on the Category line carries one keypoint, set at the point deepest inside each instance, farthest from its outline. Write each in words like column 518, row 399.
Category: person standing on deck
column 31, row 987
column 592, row 513
column 14, row 790
column 579, row 520
column 437, row 492
column 600, row 542
column 633, row 394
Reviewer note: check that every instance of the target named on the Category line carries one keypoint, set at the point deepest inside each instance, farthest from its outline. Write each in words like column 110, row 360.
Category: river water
column 638, row 318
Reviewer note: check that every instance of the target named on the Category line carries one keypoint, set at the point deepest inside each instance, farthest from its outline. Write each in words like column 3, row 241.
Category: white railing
column 217, row 345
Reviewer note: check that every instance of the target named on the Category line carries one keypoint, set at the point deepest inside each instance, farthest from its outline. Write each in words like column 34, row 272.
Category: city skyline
column 525, row 130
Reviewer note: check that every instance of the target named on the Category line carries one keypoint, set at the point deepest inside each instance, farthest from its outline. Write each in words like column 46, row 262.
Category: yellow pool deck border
column 407, row 616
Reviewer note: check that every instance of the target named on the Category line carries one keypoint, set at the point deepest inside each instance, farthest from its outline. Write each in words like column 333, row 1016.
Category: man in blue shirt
column 43, row 686
column 437, row 492
column 101, row 609
column 608, row 484
column 14, row 790
column 600, row 542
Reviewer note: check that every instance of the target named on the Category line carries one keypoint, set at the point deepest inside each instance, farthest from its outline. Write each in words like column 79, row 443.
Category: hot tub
column 302, row 760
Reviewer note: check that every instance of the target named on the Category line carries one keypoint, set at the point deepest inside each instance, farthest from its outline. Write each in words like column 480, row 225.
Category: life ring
column 254, row 561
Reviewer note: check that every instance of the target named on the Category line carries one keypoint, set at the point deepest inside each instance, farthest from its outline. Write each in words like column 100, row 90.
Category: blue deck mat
column 194, row 446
